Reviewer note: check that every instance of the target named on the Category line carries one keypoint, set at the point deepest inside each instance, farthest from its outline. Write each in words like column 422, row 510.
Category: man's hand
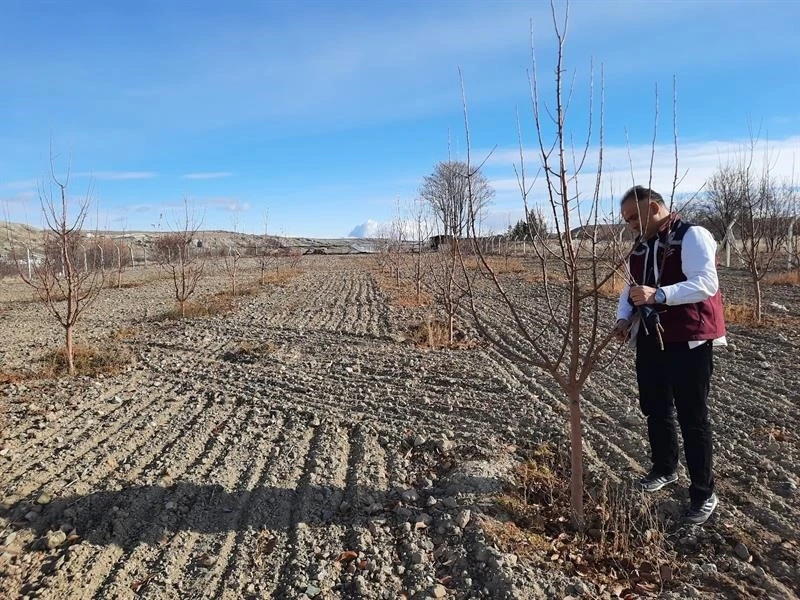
column 622, row 330
column 642, row 294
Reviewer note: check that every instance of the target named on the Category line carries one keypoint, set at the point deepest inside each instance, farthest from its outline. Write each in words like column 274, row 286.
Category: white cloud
column 209, row 175
column 368, row 229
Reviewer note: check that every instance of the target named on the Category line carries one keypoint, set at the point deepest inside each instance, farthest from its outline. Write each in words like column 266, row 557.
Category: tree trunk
column 70, row 351
column 757, row 290
column 576, row 457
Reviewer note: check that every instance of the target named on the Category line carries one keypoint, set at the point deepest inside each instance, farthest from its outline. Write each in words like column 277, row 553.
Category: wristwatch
column 660, row 297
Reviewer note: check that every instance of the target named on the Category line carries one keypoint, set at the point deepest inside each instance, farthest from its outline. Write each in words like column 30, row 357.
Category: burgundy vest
column 683, row 322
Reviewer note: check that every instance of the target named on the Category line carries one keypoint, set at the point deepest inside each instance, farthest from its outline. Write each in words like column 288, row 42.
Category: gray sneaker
column 698, row 513
column 652, row 482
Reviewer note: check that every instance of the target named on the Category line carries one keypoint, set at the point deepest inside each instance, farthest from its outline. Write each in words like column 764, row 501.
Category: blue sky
column 326, row 114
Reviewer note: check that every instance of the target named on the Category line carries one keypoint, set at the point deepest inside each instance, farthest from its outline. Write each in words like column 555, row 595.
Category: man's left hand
column 642, row 294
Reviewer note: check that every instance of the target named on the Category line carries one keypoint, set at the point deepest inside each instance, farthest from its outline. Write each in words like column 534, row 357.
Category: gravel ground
column 298, row 448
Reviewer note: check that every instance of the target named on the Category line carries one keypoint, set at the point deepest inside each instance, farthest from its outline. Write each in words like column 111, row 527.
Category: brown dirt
column 298, row 447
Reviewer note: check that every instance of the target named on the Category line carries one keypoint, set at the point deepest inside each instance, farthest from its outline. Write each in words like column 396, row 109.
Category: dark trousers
column 677, row 379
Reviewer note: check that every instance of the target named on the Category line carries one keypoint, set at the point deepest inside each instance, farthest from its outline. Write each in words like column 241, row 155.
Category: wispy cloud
column 117, row 175
column 622, row 166
column 210, row 175
column 229, row 204
column 20, row 185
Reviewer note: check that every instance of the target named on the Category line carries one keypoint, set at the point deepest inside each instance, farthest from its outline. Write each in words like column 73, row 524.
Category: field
column 299, row 446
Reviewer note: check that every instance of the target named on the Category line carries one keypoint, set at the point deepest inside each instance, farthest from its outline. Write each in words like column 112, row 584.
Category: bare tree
column 231, row 257
column 57, row 277
column 174, row 254
column 568, row 337
column 764, row 212
column 445, row 190
column 420, row 225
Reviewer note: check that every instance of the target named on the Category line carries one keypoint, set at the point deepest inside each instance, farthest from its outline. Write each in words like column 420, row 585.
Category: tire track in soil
column 102, row 565
column 175, row 563
column 79, row 414
column 235, row 487
column 193, row 461
column 311, row 508
column 149, row 532
column 139, row 416
column 316, row 526
column 365, row 494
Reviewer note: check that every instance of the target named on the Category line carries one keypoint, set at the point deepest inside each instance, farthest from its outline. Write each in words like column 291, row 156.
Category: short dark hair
column 639, row 193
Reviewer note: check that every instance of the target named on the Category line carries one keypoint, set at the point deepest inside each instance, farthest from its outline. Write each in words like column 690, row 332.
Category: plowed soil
column 298, row 447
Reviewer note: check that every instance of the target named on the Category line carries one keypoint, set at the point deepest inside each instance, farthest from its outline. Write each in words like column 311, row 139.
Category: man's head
column 643, row 210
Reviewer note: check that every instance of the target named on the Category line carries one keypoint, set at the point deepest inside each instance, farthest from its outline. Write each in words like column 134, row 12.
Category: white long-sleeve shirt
column 698, row 262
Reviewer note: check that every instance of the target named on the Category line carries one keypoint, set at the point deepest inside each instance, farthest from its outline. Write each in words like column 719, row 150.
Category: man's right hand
column 622, row 330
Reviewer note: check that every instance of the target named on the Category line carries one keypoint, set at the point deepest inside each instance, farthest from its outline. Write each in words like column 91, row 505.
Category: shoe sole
column 645, row 488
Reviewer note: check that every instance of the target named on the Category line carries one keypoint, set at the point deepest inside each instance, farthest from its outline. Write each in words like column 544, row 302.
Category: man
column 673, row 308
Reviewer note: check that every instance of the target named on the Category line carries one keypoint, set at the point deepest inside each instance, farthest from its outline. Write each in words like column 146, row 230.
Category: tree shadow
column 150, row 514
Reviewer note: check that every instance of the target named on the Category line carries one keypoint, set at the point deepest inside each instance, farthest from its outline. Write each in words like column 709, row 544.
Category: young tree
column 174, row 254
column 569, row 341
column 420, row 225
column 764, row 210
column 57, row 278
column 231, row 257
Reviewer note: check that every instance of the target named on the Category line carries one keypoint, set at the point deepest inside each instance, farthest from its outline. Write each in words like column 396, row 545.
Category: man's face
column 638, row 216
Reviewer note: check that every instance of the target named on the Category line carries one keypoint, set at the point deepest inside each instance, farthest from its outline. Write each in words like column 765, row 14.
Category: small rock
column 409, row 496
column 787, row 488
column 462, row 517
column 55, row 539
column 312, row 591
column 417, row 557
column 439, row 591
column 418, row 440
column 742, row 551
column 44, row 499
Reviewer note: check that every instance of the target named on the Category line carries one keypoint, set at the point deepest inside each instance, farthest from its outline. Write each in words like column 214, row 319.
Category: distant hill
column 20, row 235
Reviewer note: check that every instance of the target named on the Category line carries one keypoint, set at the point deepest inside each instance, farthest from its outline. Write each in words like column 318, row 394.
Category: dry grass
column 105, row 359
column 744, row 315
column 247, row 352
column 13, row 377
column 431, row 333
column 208, row 307
column 740, row 314
column 280, row 278
column 784, row 278
column 125, row 333
column 403, row 295
column 612, row 288
column 623, row 544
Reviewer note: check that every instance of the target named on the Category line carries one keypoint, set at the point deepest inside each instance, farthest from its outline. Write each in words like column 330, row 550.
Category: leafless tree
column 445, row 190
column 446, row 276
column 231, row 257
column 764, row 212
column 420, row 225
column 57, row 277
column 174, row 254
column 571, row 338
